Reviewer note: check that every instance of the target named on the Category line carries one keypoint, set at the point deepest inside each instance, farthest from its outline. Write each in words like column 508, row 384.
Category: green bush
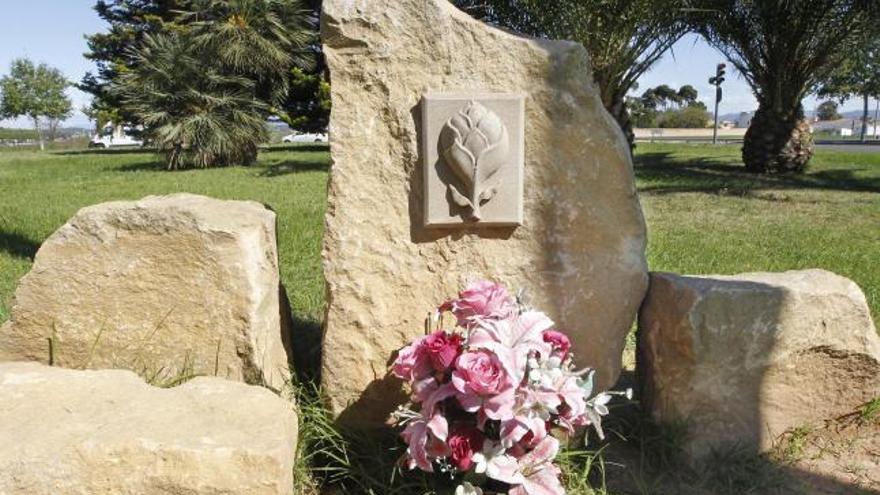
column 692, row 117
column 17, row 134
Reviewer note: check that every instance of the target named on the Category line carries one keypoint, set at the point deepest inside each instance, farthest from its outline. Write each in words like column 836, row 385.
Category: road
column 853, row 148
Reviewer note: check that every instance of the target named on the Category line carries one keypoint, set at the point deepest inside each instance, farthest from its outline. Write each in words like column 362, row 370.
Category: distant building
column 744, row 120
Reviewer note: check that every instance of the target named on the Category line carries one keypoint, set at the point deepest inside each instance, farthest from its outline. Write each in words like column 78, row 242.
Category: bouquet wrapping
column 492, row 396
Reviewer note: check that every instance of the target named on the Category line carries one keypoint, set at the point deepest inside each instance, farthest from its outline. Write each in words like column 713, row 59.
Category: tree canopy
column 827, row 110
column 271, row 42
column 34, row 91
column 783, row 49
column 195, row 113
column 664, row 106
column 623, row 37
column 858, row 75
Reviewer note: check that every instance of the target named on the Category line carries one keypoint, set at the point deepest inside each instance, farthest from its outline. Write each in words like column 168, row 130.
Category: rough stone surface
column 580, row 252
column 741, row 359
column 107, row 432
column 163, row 286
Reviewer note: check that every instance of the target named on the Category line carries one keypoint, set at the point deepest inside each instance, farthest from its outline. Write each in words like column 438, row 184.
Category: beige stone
column 580, row 252
column 70, row 432
column 741, row 359
column 164, row 286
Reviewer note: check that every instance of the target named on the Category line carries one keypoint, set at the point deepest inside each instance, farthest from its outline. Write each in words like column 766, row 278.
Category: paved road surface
column 853, row 148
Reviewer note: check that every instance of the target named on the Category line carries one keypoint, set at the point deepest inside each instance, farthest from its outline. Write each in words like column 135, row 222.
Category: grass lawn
column 704, row 214
column 40, row 191
column 707, row 216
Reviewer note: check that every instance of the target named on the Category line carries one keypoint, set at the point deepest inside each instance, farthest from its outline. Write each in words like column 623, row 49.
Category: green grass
column 6, row 133
column 40, row 191
column 704, row 215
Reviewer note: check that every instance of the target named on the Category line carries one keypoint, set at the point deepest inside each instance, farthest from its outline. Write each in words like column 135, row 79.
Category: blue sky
column 52, row 31
column 49, row 31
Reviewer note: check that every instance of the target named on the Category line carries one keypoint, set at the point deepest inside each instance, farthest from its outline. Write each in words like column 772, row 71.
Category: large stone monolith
column 580, row 249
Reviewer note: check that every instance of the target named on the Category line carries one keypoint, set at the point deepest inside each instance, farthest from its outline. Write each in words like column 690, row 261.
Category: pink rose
column 463, row 443
column 482, row 300
column 412, row 363
column 480, row 373
column 442, row 349
column 483, row 385
column 559, row 341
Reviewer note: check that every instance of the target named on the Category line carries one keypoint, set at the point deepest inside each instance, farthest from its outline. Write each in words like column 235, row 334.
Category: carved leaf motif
column 475, row 145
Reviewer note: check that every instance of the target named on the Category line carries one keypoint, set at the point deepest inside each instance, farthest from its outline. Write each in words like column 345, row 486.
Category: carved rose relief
column 475, row 145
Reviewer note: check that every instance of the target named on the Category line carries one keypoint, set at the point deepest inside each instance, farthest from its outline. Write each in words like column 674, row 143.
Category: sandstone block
column 741, row 359
column 580, row 251
column 69, row 432
column 164, row 286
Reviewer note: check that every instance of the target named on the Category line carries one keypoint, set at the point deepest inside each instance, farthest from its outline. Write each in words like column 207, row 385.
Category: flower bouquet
column 491, row 398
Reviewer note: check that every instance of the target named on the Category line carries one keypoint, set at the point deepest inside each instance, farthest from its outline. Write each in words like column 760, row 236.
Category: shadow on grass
column 18, row 246
column 306, row 348
column 668, row 174
column 149, row 166
column 294, row 167
column 642, row 456
column 317, row 147
column 106, row 151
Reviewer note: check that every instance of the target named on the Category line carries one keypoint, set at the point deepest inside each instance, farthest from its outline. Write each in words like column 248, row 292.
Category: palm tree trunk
column 618, row 110
column 777, row 142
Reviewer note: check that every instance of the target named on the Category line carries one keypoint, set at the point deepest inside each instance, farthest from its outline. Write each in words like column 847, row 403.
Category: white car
column 305, row 138
column 112, row 137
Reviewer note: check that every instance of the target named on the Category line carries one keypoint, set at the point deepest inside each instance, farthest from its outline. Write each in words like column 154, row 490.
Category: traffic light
column 716, row 81
column 718, row 78
column 719, row 73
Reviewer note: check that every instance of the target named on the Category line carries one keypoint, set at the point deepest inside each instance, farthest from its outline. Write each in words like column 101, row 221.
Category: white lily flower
column 495, row 463
column 468, row 489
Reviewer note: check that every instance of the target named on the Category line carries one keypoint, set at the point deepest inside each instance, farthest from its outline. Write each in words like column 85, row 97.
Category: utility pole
column 716, row 81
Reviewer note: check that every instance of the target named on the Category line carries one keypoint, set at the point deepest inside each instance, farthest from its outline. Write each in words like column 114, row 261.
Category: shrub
column 692, row 117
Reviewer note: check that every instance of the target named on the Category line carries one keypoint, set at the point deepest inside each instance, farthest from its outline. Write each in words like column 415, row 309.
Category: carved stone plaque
column 473, row 147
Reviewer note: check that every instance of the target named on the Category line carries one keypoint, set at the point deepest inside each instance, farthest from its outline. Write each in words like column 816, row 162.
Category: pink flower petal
column 504, row 468
column 544, row 452
column 500, row 407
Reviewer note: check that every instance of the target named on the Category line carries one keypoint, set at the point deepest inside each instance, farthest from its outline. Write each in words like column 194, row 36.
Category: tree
column 859, row 75
column 35, row 91
column 307, row 107
column 687, row 95
column 264, row 40
column 130, row 21
column 641, row 115
column 690, row 117
column 196, row 113
column 623, row 37
column 827, row 110
column 783, row 49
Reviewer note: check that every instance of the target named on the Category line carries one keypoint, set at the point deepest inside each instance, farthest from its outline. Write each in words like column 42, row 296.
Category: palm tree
column 783, row 49
column 263, row 40
column 623, row 37
column 195, row 113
